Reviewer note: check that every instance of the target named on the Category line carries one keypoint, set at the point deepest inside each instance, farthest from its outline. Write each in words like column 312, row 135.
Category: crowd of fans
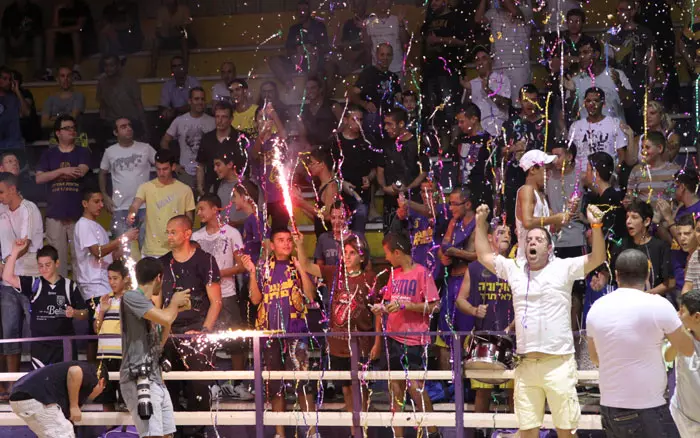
column 476, row 131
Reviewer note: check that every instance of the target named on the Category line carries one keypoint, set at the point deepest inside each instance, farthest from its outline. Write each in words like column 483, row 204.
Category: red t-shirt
column 414, row 286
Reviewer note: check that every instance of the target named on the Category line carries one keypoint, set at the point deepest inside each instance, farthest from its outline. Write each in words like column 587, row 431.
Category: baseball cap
column 535, row 157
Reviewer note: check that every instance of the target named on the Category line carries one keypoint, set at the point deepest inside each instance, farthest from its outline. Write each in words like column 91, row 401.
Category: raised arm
column 8, row 273
column 166, row 317
column 484, row 252
column 255, row 294
column 597, row 256
column 311, row 268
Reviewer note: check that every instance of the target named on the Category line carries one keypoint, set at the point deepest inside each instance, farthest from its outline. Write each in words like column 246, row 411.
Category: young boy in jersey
column 685, row 403
column 422, row 219
column 108, row 323
column 489, row 300
column 93, row 252
column 225, row 243
column 410, row 298
column 281, row 293
column 54, row 301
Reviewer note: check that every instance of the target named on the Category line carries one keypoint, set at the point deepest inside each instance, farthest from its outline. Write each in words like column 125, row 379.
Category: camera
column 143, row 389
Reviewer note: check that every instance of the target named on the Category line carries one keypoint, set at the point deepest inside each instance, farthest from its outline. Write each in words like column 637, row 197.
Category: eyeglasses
column 67, row 128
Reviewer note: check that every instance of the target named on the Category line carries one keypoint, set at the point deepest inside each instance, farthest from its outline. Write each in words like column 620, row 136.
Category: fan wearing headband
column 541, row 286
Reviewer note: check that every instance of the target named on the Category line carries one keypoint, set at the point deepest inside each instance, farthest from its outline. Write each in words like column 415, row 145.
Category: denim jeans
column 14, row 311
column 638, row 423
column 119, row 225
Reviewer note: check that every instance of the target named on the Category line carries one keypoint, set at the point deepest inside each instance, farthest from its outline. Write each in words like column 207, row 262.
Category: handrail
column 358, row 417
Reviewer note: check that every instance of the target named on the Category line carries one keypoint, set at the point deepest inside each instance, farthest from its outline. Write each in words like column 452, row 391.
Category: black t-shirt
column 402, row 162
column 27, row 21
column 69, row 16
column 378, row 87
column 210, row 147
column 194, row 274
column 48, row 304
column 49, row 385
column 517, row 128
column 632, row 47
column 445, row 25
column 124, row 15
column 31, row 124
column 352, row 34
column 659, row 254
column 614, row 221
column 319, row 126
column 358, row 161
column 316, row 35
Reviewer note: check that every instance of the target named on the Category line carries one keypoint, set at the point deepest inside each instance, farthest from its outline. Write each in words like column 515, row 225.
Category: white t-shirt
column 130, row 167
column 542, row 304
column 510, row 36
column 604, row 136
column 492, row 117
column 221, row 245
column 687, row 396
column 92, row 272
column 220, row 93
column 24, row 222
column 628, row 327
column 613, row 105
column 188, row 132
column 385, row 30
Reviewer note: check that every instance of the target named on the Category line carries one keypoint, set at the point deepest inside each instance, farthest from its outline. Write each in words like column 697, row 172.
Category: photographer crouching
column 145, row 328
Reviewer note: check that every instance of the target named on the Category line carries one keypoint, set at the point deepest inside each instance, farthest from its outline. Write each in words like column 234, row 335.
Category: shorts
column 50, row 352
column 343, row 364
column 552, row 379
column 46, row 421
column 14, row 311
column 475, row 384
column 162, row 422
column 230, row 319
column 439, row 342
column 286, row 355
column 406, row 357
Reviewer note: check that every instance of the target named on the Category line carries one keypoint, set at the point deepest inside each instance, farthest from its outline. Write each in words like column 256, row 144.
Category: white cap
column 535, row 157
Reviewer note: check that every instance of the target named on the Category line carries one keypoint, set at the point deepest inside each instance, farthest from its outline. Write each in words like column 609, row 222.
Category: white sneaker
column 241, row 392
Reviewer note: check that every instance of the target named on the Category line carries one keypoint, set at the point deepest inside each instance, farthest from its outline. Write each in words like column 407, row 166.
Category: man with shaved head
column 187, row 267
column 626, row 329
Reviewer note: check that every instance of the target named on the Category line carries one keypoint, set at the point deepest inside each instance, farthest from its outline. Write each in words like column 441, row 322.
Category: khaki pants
column 46, row 421
column 59, row 234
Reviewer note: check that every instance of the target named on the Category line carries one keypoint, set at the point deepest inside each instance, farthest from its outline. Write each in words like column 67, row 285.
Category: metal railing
column 358, row 418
